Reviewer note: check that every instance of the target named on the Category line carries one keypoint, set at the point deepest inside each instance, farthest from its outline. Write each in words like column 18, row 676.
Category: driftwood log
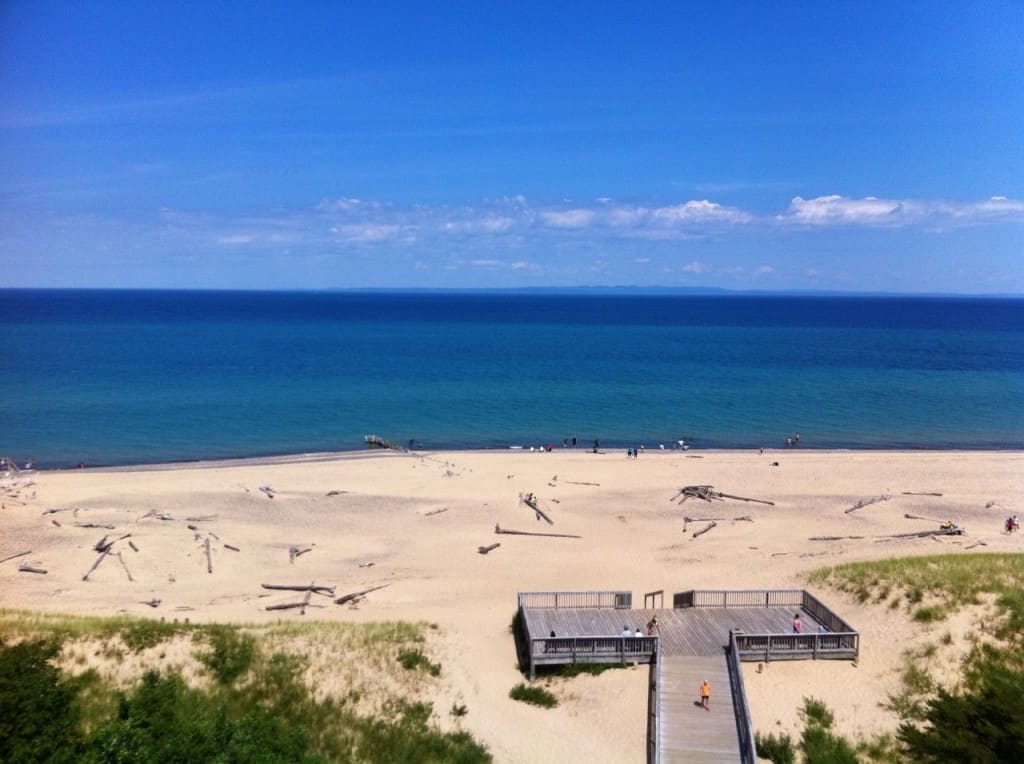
column 581, row 482
column 209, row 559
column 315, row 589
column 488, row 548
column 26, row 568
column 232, row 548
column 499, row 529
column 531, row 502
column 867, row 503
column 708, row 493
column 294, row 552
column 704, row 530
column 152, row 603
column 96, row 564
column 16, row 556
column 921, row 493
column 435, row 512
column 353, row 596
column 268, row 491
column 833, row 538
column 125, row 566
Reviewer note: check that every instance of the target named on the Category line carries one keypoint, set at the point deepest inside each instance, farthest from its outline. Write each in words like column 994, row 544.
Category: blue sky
column 747, row 145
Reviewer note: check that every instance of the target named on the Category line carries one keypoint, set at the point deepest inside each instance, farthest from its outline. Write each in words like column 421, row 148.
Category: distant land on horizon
column 624, row 290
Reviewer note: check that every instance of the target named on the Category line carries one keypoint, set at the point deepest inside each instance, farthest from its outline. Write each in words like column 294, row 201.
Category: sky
column 854, row 146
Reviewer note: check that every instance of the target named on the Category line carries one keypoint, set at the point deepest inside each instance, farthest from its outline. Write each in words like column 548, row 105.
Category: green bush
column 536, row 696
column 231, row 654
column 778, row 750
column 37, row 711
column 415, row 659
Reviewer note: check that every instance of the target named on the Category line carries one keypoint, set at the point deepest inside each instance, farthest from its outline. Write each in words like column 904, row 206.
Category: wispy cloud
column 870, row 211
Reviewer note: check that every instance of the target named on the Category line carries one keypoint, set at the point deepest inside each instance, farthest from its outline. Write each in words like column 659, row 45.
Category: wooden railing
column 824, row 616
column 744, row 722
column 653, row 709
column 739, row 598
column 620, row 600
column 768, row 647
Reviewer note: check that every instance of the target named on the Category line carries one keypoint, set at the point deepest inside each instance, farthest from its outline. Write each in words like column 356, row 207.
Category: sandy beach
column 415, row 522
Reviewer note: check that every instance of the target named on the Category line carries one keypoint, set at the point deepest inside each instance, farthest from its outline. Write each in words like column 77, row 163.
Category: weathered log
column 95, row 525
column 192, row 527
column 294, row 552
column 132, row 545
column 60, row 509
column 435, row 512
column 232, row 548
column 209, row 559
column 358, row 595
column 301, row 588
column 56, row 523
column 268, row 491
column 976, row 543
column 704, row 530
column 499, row 529
column 488, row 548
column 581, row 482
column 96, row 564
column 687, row 520
column 16, row 556
column 291, row 606
column 26, row 568
column 832, row 538
column 531, row 502
column 336, row 493
column 152, row 603
column 125, row 566
column 744, row 498
column 102, row 544
column 921, row 493
column 867, row 503
column 918, row 517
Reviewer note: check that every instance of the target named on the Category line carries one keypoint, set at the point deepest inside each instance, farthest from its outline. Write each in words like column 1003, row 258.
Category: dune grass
column 311, row 692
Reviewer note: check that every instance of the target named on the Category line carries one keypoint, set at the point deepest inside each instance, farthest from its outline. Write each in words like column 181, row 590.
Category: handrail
column 653, row 711
column 610, row 646
column 739, row 598
column 744, row 721
column 844, row 644
column 620, row 600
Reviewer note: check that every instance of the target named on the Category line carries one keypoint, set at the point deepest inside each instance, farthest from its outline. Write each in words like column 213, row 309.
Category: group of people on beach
column 1012, row 524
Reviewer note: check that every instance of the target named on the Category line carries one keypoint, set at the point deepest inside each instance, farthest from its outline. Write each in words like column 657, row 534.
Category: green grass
column 536, row 696
column 570, row 670
column 415, row 660
column 954, row 581
column 260, row 709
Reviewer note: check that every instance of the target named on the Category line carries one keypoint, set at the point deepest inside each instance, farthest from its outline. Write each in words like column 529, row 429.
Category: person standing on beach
column 705, row 695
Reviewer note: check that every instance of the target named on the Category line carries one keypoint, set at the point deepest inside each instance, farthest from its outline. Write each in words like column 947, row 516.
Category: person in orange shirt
column 705, row 695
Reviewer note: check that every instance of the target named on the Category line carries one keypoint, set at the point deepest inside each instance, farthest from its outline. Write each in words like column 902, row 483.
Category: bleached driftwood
column 328, row 590
column 96, row 564
column 232, row 548
column 154, row 603
column 708, row 493
column 867, row 503
column 26, row 568
column 499, row 529
column 688, row 520
column 209, row 559
column 921, row 493
column 107, row 526
column 582, row 482
column 16, row 556
column 435, row 512
column 353, row 596
column 531, row 501
column 833, row 538
column 294, row 552
column 702, row 531
column 268, row 491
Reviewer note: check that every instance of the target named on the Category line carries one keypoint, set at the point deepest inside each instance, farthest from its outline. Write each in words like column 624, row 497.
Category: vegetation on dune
column 259, row 707
column 536, row 696
column 981, row 719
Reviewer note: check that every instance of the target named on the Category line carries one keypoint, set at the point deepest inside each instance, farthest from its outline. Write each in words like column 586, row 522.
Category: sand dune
column 375, row 518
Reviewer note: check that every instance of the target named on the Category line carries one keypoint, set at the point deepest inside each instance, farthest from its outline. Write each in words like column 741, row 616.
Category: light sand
column 632, row 539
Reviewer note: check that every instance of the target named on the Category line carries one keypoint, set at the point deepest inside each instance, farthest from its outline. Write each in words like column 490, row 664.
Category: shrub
column 536, row 696
column 778, row 750
column 414, row 659
column 232, row 653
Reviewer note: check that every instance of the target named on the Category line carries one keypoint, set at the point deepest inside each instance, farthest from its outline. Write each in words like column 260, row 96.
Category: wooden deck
column 691, row 645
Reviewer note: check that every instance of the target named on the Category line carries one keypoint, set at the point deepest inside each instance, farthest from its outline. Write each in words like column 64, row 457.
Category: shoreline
column 613, row 450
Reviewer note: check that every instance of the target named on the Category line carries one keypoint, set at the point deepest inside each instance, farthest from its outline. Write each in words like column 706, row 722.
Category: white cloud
column 695, row 267
column 575, row 218
column 702, row 211
column 362, row 233
column 642, row 260
column 764, row 270
column 486, row 263
column 341, row 204
column 835, row 209
column 486, row 224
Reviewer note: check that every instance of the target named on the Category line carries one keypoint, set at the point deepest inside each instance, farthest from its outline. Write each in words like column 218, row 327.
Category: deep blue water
column 113, row 377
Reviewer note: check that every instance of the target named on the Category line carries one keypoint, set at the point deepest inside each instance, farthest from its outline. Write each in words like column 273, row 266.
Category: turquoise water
column 131, row 377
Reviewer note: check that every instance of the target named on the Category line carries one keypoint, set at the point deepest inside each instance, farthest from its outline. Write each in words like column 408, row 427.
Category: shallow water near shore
column 120, row 377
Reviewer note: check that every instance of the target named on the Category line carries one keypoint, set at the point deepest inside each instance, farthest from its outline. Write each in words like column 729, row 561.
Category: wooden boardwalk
column 686, row 732
column 692, row 645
